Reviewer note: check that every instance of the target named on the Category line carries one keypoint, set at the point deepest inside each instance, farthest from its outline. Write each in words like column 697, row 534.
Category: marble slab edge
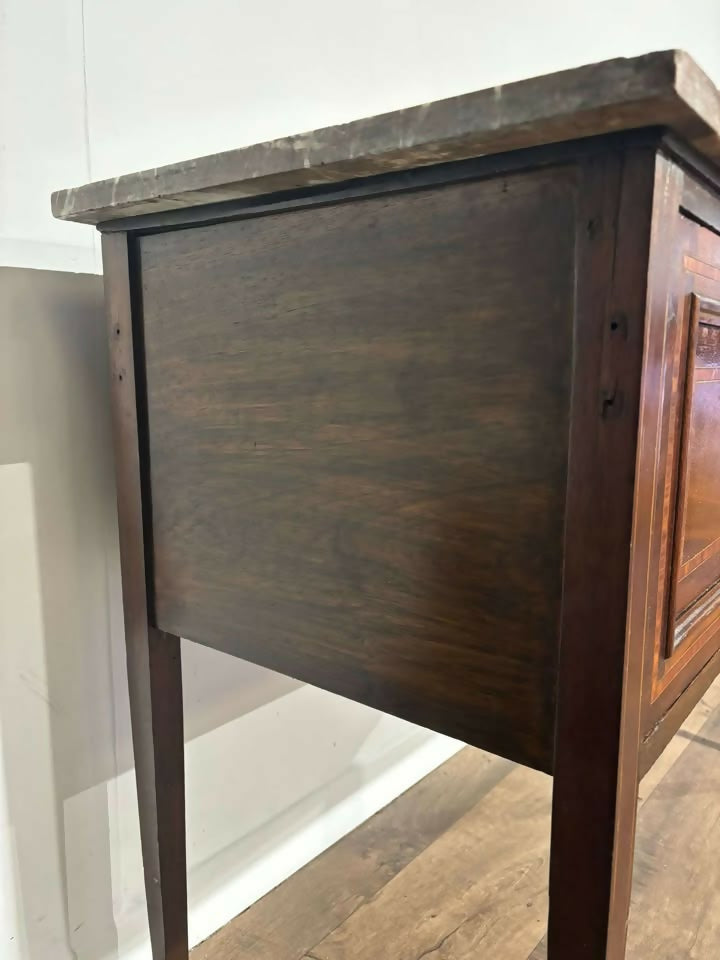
column 665, row 89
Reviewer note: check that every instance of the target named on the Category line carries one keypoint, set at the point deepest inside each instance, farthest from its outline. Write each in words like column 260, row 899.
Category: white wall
column 42, row 131
column 276, row 771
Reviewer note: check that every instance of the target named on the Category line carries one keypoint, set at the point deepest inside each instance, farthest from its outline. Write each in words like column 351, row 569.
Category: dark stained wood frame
column 629, row 194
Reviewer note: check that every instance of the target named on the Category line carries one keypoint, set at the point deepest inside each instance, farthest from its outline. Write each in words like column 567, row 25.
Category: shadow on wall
column 274, row 768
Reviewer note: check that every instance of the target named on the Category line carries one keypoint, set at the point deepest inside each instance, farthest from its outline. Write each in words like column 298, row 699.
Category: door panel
column 696, row 587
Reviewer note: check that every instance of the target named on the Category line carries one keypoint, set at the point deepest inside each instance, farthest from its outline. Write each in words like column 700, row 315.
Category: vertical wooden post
column 153, row 657
column 600, row 668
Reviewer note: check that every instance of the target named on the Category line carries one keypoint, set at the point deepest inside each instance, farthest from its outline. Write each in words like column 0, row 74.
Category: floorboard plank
column 676, row 906
column 478, row 890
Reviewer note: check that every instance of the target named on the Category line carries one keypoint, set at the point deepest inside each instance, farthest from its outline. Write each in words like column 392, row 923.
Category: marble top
column 665, row 89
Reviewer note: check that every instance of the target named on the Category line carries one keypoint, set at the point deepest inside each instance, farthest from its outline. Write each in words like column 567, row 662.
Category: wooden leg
column 155, row 683
column 591, row 863
column 597, row 732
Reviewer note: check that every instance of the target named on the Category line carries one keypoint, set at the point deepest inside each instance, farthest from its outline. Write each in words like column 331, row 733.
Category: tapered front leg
column 153, row 657
column 155, row 684
column 591, row 861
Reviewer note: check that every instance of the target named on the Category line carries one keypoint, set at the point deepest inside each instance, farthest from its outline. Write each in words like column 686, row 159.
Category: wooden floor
column 457, row 868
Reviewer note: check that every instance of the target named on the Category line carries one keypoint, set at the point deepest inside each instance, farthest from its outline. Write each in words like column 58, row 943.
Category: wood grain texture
column 153, row 657
column 665, row 89
column 599, row 683
column 358, row 443
column 473, row 892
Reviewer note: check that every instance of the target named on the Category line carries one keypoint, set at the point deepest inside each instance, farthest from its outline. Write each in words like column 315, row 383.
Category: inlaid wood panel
column 357, row 429
column 698, row 521
column 692, row 622
column 681, row 414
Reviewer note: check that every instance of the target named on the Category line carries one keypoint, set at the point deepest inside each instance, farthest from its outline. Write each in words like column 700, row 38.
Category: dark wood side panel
column 358, row 422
